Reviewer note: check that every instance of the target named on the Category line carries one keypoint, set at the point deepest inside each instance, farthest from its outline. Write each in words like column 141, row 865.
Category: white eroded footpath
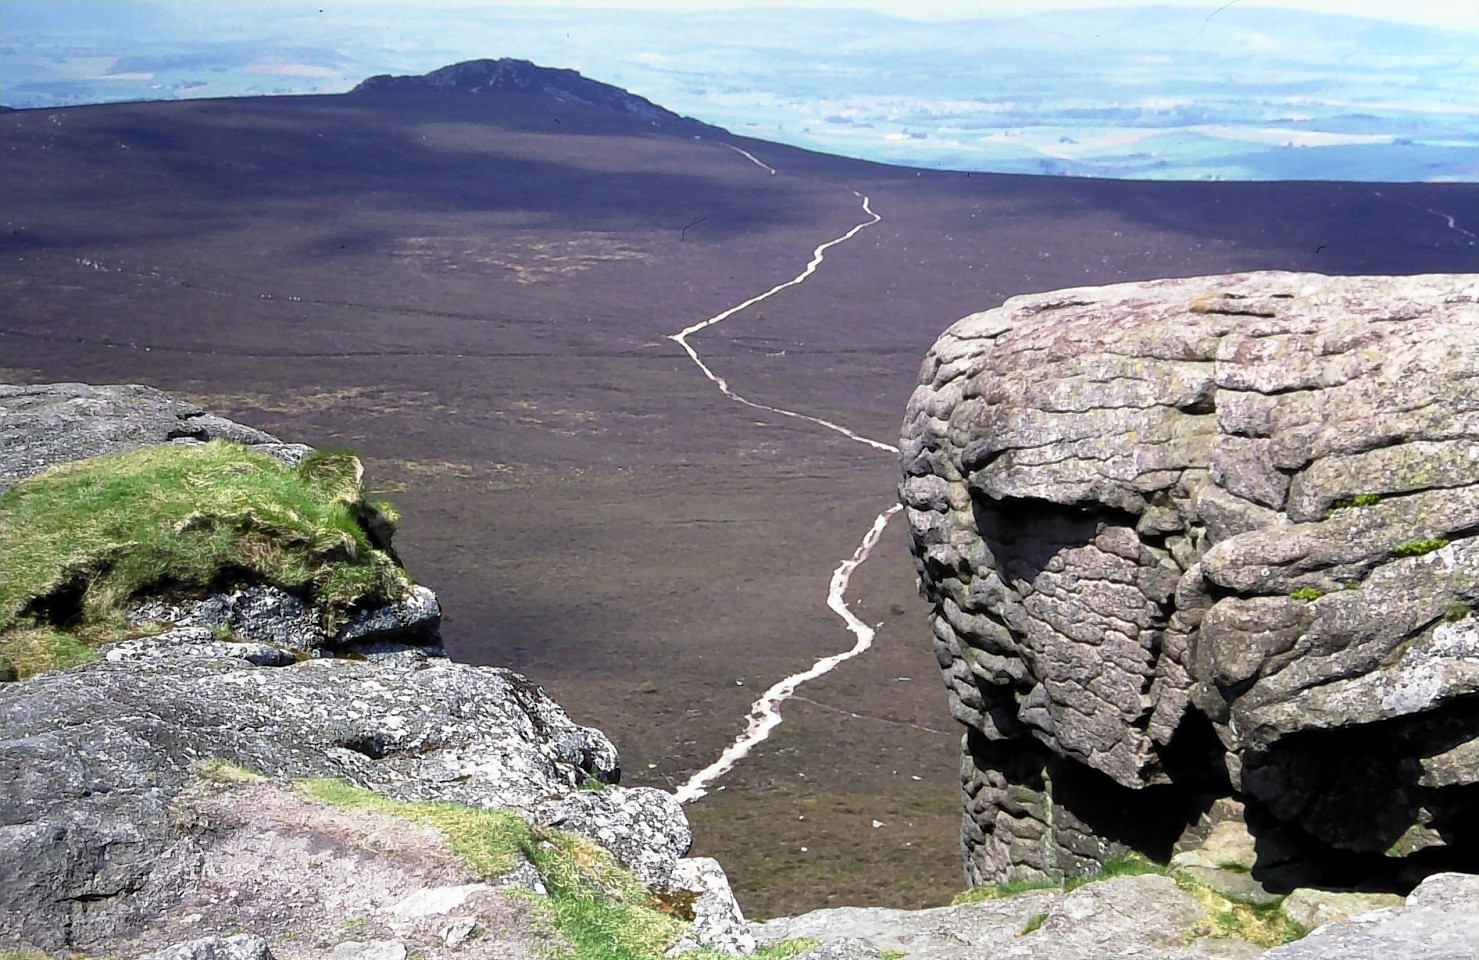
column 765, row 713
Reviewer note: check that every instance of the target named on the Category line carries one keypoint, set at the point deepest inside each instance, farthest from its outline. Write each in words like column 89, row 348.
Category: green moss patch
column 1416, row 548
column 599, row 908
column 80, row 541
column 1129, row 865
column 1228, row 918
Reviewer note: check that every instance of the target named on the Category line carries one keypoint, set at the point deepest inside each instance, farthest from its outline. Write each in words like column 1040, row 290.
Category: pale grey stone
column 369, row 950
column 240, row 947
column 1440, row 921
column 718, row 923
column 1168, row 527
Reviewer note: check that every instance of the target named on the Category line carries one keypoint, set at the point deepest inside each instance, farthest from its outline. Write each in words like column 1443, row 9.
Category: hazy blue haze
column 1146, row 92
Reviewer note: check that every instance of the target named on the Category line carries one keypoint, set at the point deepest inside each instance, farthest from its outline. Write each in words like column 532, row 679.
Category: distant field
column 1225, row 91
column 476, row 294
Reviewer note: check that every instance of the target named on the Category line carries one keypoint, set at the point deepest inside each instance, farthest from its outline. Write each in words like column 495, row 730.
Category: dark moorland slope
column 475, row 291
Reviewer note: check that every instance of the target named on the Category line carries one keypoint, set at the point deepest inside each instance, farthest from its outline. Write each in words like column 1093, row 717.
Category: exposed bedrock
column 1202, row 538
column 149, row 796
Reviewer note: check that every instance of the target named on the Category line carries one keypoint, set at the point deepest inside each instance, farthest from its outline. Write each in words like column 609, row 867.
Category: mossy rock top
column 82, row 541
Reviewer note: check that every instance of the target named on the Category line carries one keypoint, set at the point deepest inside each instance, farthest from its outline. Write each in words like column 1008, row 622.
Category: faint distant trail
column 752, row 158
column 765, row 713
column 1451, row 220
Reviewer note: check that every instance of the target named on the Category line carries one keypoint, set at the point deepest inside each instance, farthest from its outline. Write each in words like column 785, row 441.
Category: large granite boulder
column 1209, row 538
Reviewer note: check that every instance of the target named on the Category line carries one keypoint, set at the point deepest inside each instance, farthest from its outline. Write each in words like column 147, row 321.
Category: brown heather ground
column 475, row 292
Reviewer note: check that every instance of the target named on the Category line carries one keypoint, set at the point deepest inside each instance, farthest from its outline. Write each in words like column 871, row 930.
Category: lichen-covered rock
column 106, row 839
column 1201, row 537
column 645, row 828
column 92, row 758
column 1440, row 921
column 1312, row 909
column 240, row 947
column 48, row 424
column 1146, row 917
column 269, row 615
column 717, row 921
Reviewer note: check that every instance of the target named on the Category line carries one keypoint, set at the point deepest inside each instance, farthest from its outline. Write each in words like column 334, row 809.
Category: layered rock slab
column 1208, row 537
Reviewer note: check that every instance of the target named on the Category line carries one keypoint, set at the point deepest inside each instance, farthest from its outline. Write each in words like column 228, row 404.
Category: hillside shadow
column 218, row 162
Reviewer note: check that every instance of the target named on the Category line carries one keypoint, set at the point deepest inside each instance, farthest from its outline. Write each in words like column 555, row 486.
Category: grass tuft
column 601, row 910
column 1129, row 865
column 1306, row 593
column 997, row 891
column 80, row 541
column 488, row 841
column 1033, row 924
column 1454, row 612
column 1262, row 924
column 1416, row 548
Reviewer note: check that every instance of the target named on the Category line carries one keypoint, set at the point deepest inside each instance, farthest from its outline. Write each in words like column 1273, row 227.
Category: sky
column 1427, row 12
column 1370, row 90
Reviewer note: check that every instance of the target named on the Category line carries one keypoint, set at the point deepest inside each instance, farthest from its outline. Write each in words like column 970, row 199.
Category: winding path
column 1449, row 218
column 765, row 713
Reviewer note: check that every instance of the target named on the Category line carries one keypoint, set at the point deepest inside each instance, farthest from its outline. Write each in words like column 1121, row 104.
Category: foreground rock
column 48, row 424
column 1145, row 917
column 134, row 816
column 1440, row 921
column 1206, row 538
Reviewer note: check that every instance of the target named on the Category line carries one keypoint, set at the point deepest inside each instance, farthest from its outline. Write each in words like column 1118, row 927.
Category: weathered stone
column 240, row 947
column 942, row 933
column 269, row 615
column 42, row 426
column 644, row 828
column 120, row 826
column 848, row 948
column 195, row 642
column 369, row 950
column 1227, row 844
column 1146, row 917
column 1213, row 535
column 718, row 923
column 1440, row 921
column 90, row 759
column 1313, row 909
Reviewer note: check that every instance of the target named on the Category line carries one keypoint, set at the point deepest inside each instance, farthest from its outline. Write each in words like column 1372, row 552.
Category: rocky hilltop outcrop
column 521, row 76
column 174, row 790
column 1202, row 560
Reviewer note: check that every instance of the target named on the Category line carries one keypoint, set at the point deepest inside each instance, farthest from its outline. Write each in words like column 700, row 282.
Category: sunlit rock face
column 1202, row 538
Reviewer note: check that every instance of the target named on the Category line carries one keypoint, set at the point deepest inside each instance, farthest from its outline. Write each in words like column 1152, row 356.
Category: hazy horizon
column 1182, row 91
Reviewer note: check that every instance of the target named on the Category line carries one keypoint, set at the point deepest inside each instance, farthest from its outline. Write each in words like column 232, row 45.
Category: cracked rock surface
column 1208, row 537
column 53, row 423
column 115, row 837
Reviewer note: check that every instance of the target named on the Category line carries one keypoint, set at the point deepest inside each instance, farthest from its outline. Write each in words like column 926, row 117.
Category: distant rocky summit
column 568, row 86
column 1203, row 560
column 227, row 774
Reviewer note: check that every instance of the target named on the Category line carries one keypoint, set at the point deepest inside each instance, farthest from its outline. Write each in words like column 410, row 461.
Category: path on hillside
column 765, row 713
column 1450, row 219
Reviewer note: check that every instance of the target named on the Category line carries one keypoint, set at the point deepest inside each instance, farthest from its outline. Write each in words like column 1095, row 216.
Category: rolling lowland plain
column 476, row 292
